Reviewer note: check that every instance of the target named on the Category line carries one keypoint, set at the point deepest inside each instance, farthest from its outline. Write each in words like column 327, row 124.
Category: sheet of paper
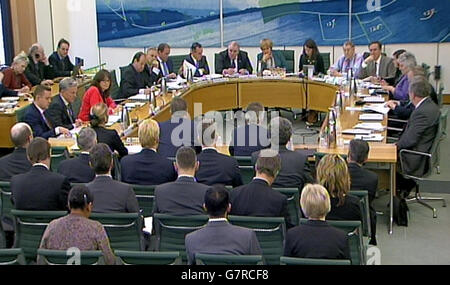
column 357, row 109
column 379, row 108
column 112, row 120
column 148, row 223
column 356, row 132
column 374, row 99
column 370, row 126
column 370, row 138
column 139, row 97
column 371, row 117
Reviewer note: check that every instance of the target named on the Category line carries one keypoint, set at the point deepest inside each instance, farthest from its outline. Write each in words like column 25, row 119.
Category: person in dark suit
column 110, row 196
column 252, row 136
column 152, row 69
column 269, row 58
column 5, row 92
column 77, row 169
column 258, row 198
column 419, row 133
column 185, row 196
column 197, row 59
column 99, row 118
column 377, row 65
column 39, row 189
column 147, row 167
column 36, row 117
column 165, row 62
column 215, row 168
column 363, row 179
column 39, row 70
column 332, row 173
column 219, row 237
column 62, row 67
column 316, row 238
column 311, row 56
column 233, row 61
column 133, row 78
column 295, row 170
column 17, row 162
column 60, row 112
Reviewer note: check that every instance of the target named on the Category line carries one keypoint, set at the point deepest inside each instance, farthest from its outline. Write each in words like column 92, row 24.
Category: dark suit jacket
column 61, row 68
column 387, row 68
column 221, row 238
column 147, row 168
column 217, row 168
column 131, row 81
column 319, row 66
column 112, row 139
column 111, row 196
column 249, row 139
column 38, row 73
column 5, row 92
column 258, row 199
column 77, row 169
column 278, row 57
column 151, row 77
column 40, row 128
column 40, row 190
column 294, row 171
column 419, row 135
column 15, row 163
column 350, row 211
column 363, row 179
column 169, row 64
column 316, row 239
column 166, row 148
column 224, row 62
column 180, row 198
column 58, row 114
column 203, row 63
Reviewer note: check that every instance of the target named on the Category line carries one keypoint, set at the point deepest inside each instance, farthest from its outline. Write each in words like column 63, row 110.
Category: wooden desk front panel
column 271, row 93
column 215, row 97
column 320, row 96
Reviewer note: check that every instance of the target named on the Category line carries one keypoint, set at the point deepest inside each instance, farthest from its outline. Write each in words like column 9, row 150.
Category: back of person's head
column 208, row 132
column 40, row 90
column 186, row 158
column 86, row 139
column 178, row 104
column 67, row 83
column 99, row 115
column 217, row 201
column 420, row 87
column 38, row 150
column 358, row 151
column 80, row 197
column 269, row 163
column 21, row 134
column 315, row 201
column 253, row 112
column 281, row 132
column 332, row 173
column 417, row 71
column 100, row 158
column 149, row 134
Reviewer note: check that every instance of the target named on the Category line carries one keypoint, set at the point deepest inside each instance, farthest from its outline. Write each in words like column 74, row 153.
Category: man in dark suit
column 36, row 118
column 165, row 62
column 110, row 196
column 377, row 65
column 233, row 61
column 252, row 136
column 39, row 70
column 60, row 112
column 147, row 167
column 17, row 162
column 363, row 179
column 295, row 170
column 152, row 68
column 62, row 67
column 258, row 198
column 40, row 189
column 198, row 60
column 184, row 196
column 215, row 168
column 419, row 133
column 77, row 169
column 219, row 237
column 133, row 78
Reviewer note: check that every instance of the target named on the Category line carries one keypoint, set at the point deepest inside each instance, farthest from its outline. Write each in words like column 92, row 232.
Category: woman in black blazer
column 99, row 118
column 311, row 56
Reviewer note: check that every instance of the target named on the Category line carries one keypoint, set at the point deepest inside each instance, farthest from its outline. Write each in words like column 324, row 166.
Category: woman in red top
column 97, row 93
column 14, row 76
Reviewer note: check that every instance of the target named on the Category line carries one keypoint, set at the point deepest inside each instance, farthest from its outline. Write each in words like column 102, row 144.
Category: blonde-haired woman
column 332, row 173
column 270, row 58
column 316, row 239
column 15, row 78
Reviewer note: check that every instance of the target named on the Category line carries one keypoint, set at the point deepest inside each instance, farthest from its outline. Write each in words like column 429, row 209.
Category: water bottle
column 164, row 86
column 338, row 102
column 189, row 77
column 126, row 122
column 331, row 133
column 259, row 69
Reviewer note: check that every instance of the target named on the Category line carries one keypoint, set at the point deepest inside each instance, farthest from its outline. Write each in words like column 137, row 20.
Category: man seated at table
column 350, row 59
column 233, row 61
column 36, row 118
column 147, row 167
column 270, row 58
column 377, row 66
column 152, row 68
column 62, row 67
column 133, row 78
column 60, row 112
column 165, row 62
column 196, row 59
column 39, row 70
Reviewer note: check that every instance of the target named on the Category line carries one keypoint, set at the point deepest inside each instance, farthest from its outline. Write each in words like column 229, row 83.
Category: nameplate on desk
column 374, row 99
column 371, row 117
column 139, row 97
column 356, row 132
column 370, row 138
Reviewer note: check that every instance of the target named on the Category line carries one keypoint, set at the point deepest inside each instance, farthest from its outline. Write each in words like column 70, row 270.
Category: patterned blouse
column 77, row 231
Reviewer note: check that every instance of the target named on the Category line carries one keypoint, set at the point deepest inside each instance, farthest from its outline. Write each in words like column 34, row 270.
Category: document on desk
column 370, row 126
column 174, row 86
column 374, row 99
column 370, row 138
column 357, row 109
column 112, row 120
column 139, row 97
column 379, row 108
column 371, row 117
column 356, row 132
column 133, row 149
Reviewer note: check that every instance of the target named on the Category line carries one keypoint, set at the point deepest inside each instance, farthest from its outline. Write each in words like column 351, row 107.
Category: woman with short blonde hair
column 149, row 134
column 315, row 202
column 269, row 58
column 14, row 76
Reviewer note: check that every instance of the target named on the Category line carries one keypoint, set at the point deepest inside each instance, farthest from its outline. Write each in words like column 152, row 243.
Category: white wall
column 44, row 25
column 2, row 48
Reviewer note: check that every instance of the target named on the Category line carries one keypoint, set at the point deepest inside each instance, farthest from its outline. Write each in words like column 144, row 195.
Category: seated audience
column 39, row 71
column 270, row 58
column 406, row 62
column 311, row 56
column 349, row 60
column 134, row 80
column 99, row 92
column 215, row 168
column 76, row 229
column 316, row 238
column 36, row 117
column 219, row 236
column 332, row 173
column 165, row 62
column 233, row 61
column 39, row 189
column 77, row 169
column 15, row 78
column 62, row 67
column 111, row 196
column 198, row 60
column 377, row 66
column 185, row 196
column 147, row 167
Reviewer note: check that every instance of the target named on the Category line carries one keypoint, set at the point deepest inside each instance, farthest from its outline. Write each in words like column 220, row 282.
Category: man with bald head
column 39, row 69
column 233, row 61
column 17, row 162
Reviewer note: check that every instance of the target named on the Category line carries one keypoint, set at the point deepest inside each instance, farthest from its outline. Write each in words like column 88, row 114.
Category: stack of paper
column 370, row 126
column 357, row 109
column 174, row 86
column 379, row 108
column 362, row 95
column 371, row 117
column 370, row 138
column 112, row 120
column 139, row 97
column 374, row 99
column 356, row 132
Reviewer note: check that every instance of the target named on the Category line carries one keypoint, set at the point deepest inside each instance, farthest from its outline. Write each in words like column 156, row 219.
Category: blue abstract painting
column 143, row 23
